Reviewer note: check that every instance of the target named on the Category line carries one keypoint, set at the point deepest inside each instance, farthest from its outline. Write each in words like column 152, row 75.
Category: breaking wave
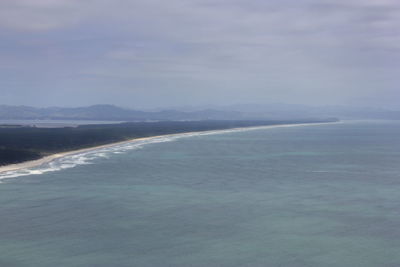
column 88, row 157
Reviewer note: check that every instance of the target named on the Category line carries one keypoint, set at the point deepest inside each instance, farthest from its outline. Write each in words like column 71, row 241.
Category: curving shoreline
column 50, row 158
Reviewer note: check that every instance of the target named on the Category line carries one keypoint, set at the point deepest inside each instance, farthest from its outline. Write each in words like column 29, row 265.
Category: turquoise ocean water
column 323, row 195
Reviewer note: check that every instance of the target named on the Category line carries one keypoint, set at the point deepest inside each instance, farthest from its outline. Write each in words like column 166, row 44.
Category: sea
column 319, row 195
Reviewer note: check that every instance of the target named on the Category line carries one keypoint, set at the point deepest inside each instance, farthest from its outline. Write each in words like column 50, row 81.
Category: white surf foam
column 87, row 157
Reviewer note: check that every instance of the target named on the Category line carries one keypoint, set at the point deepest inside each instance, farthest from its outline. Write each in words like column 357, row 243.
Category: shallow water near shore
column 324, row 195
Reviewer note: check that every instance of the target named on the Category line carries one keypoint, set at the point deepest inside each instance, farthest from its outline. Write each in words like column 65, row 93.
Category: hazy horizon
column 227, row 107
column 156, row 54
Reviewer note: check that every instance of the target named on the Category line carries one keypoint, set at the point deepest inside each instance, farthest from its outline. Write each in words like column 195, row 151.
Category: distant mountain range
column 109, row 113
column 233, row 112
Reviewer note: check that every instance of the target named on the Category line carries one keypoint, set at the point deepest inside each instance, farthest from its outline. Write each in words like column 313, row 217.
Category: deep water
column 323, row 195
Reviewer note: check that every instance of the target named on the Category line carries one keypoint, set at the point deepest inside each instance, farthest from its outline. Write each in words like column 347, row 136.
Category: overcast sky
column 158, row 53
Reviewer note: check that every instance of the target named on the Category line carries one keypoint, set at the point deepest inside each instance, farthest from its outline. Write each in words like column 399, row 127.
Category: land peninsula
column 35, row 145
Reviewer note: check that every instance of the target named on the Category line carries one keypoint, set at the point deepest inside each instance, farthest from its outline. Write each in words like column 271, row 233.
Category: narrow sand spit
column 47, row 159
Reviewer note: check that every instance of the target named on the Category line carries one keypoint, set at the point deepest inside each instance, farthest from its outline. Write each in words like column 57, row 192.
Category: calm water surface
column 324, row 195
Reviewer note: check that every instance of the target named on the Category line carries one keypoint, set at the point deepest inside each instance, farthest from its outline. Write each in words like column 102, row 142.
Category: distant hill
column 295, row 111
column 109, row 113
column 233, row 112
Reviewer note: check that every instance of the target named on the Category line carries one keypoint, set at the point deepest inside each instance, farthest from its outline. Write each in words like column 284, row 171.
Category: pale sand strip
column 47, row 159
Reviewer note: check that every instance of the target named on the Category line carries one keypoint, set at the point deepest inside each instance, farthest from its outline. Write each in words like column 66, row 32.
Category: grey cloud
column 310, row 51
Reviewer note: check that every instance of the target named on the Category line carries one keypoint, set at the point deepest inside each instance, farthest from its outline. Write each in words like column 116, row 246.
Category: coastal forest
column 23, row 143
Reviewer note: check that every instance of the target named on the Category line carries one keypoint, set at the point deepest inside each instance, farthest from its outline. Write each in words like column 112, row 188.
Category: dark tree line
column 26, row 143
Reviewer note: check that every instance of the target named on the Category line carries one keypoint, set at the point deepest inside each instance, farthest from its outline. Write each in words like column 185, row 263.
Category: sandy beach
column 47, row 159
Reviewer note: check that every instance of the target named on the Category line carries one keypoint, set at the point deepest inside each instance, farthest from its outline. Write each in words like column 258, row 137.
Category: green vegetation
column 10, row 156
column 26, row 143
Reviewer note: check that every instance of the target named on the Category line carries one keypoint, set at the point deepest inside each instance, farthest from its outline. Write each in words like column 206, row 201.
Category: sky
column 158, row 53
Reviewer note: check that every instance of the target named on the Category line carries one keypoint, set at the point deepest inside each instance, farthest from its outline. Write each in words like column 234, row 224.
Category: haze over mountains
column 233, row 112
column 108, row 113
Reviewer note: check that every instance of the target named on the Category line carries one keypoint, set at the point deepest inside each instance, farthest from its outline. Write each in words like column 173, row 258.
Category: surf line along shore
column 47, row 159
